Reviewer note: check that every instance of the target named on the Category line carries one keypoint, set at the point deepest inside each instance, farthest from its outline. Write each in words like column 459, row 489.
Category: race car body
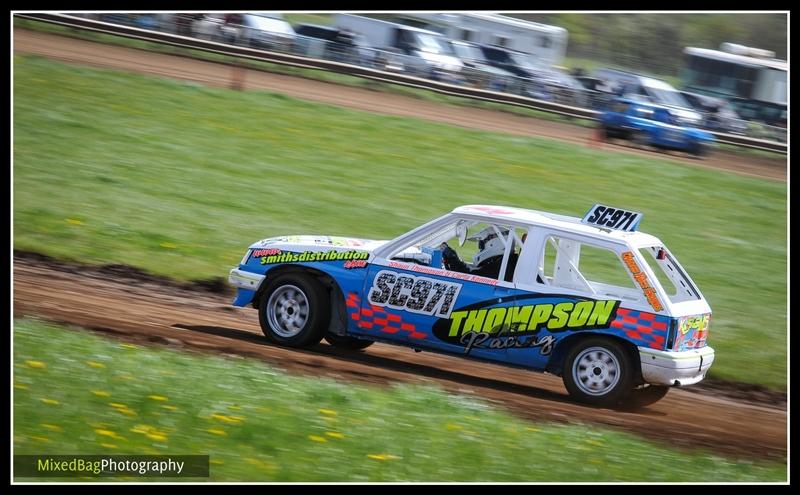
column 604, row 306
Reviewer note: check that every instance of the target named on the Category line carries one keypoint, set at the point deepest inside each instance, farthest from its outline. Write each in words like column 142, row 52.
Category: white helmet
column 489, row 245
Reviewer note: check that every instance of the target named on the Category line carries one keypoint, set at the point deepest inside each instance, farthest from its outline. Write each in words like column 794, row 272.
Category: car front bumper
column 675, row 368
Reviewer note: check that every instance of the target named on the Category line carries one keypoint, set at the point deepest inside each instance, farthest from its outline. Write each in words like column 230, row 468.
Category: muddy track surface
column 154, row 312
column 95, row 54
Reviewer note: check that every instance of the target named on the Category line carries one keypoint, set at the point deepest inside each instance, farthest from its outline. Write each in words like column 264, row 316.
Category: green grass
column 77, row 393
column 179, row 179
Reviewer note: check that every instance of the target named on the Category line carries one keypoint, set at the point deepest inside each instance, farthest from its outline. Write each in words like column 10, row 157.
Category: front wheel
column 294, row 311
column 599, row 372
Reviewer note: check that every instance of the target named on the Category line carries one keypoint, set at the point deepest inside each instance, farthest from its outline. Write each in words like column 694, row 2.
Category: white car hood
column 317, row 243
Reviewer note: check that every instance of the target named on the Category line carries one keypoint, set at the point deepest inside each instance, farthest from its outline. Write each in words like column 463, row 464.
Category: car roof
column 556, row 221
column 646, row 104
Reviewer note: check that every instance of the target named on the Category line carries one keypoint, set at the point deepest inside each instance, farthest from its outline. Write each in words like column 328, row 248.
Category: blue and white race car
column 606, row 307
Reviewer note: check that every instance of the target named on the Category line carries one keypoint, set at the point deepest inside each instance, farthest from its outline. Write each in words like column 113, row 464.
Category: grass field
column 179, row 179
column 75, row 392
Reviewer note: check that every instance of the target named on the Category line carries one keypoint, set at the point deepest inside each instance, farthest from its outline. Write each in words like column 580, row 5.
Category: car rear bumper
column 675, row 368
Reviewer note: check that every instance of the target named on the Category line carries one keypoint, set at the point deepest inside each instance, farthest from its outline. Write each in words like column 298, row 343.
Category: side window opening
column 570, row 264
column 670, row 275
column 488, row 249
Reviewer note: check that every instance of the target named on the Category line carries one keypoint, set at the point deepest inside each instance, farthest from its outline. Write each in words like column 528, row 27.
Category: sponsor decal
column 483, row 326
column 483, row 340
column 692, row 332
column 258, row 253
column 442, row 273
column 350, row 264
column 308, row 256
column 641, row 279
column 420, row 295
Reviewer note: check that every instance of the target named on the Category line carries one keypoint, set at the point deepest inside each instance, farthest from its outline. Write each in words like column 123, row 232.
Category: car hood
column 317, row 243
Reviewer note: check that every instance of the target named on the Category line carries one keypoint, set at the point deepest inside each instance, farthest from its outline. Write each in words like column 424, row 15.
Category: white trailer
column 544, row 43
column 419, row 48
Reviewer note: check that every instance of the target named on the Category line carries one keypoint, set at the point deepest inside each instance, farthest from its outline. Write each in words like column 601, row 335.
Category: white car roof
column 553, row 220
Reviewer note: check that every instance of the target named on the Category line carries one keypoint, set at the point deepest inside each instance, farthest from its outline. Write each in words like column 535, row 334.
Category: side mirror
column 461, row 232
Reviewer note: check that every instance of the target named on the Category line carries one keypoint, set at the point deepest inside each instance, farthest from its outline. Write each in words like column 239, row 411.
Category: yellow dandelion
column 117, row 405
column 168, row 245
column 41, row 439
column 129, row 346
column 35, row 364
column 451, row 426
column 21, row 386
column 50, row 402
column 157, row 397
column 95, row 364
column 216, row 431
column 317, row 438
column 74, row 221
column 127, row 412
column 530, row 428
column 169, row 407
column 157, row 436
column 105, row 433
column 328, row 412
column 216, row 461
column 383, row 457
column 101, row 393
column 235, row 408
column 109, row 445
column 227, row 419
column 50, row 427
column 126, row 376
column 334, row 434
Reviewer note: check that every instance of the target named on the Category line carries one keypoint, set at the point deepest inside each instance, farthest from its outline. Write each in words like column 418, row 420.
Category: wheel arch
column 555, row 364
column 338, row 324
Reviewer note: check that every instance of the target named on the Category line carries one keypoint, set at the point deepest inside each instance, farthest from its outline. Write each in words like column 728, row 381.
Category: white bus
column 545, row 44
column 752, row 79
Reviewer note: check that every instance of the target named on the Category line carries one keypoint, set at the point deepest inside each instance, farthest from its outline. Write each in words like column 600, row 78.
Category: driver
column 487, row 262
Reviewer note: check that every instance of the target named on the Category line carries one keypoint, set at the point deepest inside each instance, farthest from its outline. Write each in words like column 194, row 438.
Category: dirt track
column 99, row 55
column 109, row 301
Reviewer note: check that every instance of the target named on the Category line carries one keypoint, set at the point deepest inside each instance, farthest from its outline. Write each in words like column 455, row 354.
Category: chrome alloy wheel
column 287, row 311
column 596, row 371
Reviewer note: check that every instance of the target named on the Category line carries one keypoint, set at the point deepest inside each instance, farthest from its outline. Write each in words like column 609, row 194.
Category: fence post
column 237, row 76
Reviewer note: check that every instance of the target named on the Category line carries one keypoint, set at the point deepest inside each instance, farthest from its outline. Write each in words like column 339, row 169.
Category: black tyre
column 345, row 342
column 598, row 371
column 699, row 150
column 294, row 310
column 645, row 396
column 640, row 139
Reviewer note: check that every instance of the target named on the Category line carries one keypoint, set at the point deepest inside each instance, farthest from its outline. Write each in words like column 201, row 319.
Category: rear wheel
column 699, row 150
column 294, row 311
column 345, row 342
column 640, row 139
column 598, row 371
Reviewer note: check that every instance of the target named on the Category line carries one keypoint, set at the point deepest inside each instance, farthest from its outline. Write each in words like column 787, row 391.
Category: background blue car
column 647, row 124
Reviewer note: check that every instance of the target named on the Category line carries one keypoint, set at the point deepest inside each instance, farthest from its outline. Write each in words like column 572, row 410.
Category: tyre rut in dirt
column 294, row 311
column 598, row 371
column 345, row 342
